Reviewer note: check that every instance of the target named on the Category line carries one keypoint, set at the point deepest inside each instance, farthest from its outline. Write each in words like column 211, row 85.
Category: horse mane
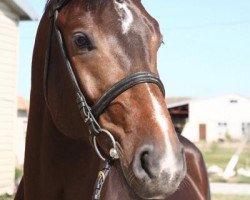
column 46, row 5
column 89, row 4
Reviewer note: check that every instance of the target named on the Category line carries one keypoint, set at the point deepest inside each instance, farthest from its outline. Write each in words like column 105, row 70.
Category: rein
column 90, row 114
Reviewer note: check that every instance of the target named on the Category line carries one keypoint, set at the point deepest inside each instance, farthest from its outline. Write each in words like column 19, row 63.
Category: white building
column 212, row 119
column 11, row 12
column 22, row 121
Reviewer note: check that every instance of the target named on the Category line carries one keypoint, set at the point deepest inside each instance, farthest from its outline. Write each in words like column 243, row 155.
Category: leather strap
column 60, row 4
column 122, row 86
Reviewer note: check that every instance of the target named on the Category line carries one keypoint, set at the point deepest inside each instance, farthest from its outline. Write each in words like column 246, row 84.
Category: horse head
column 106, row 41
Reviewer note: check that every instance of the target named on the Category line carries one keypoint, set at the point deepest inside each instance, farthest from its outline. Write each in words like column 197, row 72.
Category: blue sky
column 206, row 51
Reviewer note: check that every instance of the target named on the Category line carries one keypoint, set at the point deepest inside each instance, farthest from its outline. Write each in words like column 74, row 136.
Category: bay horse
column 96, row 96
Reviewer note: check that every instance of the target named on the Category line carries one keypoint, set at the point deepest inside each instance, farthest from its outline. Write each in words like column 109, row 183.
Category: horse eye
column 82, row 41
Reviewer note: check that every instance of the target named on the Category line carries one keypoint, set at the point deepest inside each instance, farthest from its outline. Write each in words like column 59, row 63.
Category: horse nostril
column 145, row 163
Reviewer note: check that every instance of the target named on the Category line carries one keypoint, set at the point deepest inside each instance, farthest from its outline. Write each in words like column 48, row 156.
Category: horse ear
column 60, row 94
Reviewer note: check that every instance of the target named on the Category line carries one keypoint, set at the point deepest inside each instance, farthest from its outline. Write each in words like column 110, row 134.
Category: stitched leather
column 122, row 86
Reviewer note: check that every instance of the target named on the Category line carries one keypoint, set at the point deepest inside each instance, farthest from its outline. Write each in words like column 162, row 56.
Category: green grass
column 6, row 197
column 220, row 154
column 229, row 197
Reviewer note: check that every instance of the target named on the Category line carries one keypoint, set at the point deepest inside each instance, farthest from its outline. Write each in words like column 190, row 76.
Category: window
column 245, row 128
column 222, row 124
column 222, row 130
column 233, row 101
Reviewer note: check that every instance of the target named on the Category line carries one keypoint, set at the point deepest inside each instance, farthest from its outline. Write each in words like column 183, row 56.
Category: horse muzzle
column 156, row 175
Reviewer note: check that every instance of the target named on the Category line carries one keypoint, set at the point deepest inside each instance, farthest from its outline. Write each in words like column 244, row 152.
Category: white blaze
column 168, row 162
column 126, row 16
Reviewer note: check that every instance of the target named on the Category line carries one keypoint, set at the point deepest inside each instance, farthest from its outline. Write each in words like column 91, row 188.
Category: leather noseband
column 123, row 85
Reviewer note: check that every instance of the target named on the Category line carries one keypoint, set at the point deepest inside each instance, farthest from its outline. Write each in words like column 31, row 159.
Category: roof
column 173, row 102
column 22, row 104
column 23, row 9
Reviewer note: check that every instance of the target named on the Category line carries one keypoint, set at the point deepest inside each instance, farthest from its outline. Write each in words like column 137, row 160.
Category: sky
column 206, row 51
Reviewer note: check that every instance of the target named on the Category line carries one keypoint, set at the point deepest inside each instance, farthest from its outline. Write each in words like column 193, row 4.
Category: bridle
column 91, row 114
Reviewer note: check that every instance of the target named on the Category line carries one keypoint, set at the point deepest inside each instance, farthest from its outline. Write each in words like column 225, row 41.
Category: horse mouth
column 148, row 187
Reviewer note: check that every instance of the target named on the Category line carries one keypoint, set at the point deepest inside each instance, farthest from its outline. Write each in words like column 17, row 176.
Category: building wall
column 9, row 44
column 221, row 115
column 22, row 121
